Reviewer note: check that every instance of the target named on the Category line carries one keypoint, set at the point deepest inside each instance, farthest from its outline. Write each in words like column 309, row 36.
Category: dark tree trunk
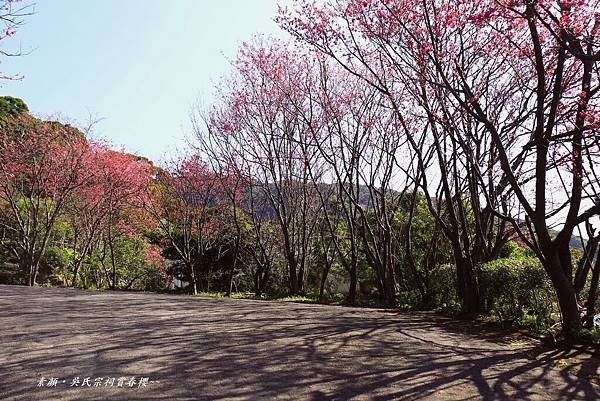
column 468, row 291
column 565, row 293
column 326, row 270
column 75, row 273
column 300, row 278
column 257, row 282
column 293, row 279
column 585, row 264
column 292, row 264
column 353, row 281
column 593, row 294
column 234, row 265
column 29, row 269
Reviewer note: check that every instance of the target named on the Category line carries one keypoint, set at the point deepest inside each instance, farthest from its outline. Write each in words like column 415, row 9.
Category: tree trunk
column 29, row 269
column 468, row 291
column 257, row 291
column 233, row 267
column 265, row 277
column 585, row 264
column 75, row 273
column 293, row 279
column 324, row 281
column 33, row 275
column 390, row 286
column 567, row 298
column 593, row 294
column 292, row 264
column 353, row 281
column 300, row 278
column 193, row 284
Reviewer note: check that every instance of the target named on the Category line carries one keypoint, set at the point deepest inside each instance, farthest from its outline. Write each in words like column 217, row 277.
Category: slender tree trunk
column 113, row 263
column 257, row 283
column 390, row 298
column 233, row 267
column 193, row 279
column 75, row 273
column 29, row 269
column 593, row 294
column 585, row 264
column 410, row 260
column 326, row 270
column 300, row 277
column 33, row 274
column 265, row 277
column 353, row 279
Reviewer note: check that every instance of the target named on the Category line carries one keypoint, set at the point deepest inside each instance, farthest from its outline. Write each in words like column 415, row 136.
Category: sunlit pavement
column 79, row 345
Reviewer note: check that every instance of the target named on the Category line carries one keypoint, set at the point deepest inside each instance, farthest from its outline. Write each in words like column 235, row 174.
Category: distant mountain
column 575, row 242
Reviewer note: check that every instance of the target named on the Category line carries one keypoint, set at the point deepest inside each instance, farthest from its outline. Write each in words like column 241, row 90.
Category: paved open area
column 61, row 344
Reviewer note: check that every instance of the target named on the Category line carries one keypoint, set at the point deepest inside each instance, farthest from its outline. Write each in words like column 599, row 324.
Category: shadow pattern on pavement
column 220, row 349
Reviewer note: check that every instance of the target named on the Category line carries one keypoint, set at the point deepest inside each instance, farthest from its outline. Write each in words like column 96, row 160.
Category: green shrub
column 514, row 290
column 590, row 335
column 408, row 299
column 443, row 287
column 10, row 273
column 517, row 290
column 56, row 266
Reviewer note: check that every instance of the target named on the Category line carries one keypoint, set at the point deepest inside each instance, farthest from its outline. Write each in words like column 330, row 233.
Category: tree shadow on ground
column 226, row 349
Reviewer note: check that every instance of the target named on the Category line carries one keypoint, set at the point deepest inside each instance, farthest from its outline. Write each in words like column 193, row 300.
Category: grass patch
column 308, row 298
column 302, row 299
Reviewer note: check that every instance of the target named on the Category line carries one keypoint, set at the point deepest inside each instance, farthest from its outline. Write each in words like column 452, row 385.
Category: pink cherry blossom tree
column 259, row 118
column 514, row 81
column 102, row 209
column 43, row 166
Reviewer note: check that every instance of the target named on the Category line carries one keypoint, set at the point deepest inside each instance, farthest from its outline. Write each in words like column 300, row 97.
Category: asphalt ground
column 64, row 344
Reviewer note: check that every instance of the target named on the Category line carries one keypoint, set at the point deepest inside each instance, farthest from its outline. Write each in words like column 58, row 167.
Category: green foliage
column 514, row 290
column 133, row 269
column 309, row 298
column 11, row 274
column 443, row 287
column 408, row 299
column 12, row 106
column 590, row 335
column 512, row 249
column 304, row 299
column 517, row 290
column 57, row 263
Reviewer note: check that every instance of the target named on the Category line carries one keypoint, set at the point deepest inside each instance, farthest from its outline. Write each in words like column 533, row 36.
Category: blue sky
column 138, row 64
